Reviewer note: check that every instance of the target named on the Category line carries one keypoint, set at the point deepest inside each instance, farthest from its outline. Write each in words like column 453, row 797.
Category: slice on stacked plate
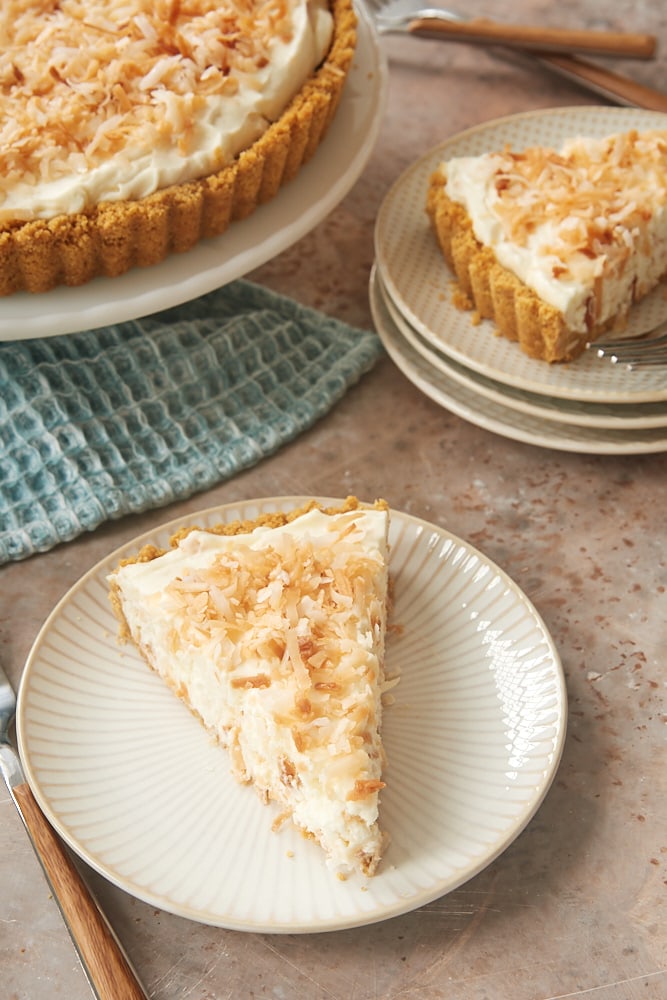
column 588, row 405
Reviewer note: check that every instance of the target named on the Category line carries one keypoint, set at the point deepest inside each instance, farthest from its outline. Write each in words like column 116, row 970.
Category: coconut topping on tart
column 114, row 99
column 273, row 635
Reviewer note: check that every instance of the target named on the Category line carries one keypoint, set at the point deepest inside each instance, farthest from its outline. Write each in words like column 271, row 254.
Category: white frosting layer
column 216, row 132
column 303, row 738
column 590, row 257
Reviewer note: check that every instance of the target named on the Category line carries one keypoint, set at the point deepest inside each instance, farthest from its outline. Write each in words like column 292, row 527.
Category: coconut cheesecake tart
column 131, row 130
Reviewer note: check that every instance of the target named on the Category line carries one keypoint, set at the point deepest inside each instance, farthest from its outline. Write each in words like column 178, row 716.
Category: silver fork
column 647, row 351
column 106, row 966
column 406, row 17
column 400, row 20
column 402, row 15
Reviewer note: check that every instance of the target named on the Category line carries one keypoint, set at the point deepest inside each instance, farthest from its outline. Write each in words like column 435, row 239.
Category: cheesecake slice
column 555, row 246
column 272, row 633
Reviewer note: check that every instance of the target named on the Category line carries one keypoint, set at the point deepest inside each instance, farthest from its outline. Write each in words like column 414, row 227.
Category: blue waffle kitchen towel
column 119, row 420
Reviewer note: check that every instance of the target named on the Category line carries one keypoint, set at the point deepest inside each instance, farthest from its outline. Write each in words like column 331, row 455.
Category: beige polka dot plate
column 416, row 277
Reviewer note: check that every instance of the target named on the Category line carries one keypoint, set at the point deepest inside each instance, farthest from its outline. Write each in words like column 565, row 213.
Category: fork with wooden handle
column 614, row 86
column 552, row 47
column 446, row 25
column 106, row 965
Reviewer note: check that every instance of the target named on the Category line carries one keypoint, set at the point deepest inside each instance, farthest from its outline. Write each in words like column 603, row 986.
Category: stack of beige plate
column 589, row 405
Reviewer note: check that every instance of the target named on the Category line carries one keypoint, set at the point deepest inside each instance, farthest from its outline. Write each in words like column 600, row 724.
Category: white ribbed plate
column 132, row 782
column 416, row 276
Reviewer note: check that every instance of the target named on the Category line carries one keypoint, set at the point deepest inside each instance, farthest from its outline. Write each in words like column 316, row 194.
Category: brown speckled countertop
column 575, row 907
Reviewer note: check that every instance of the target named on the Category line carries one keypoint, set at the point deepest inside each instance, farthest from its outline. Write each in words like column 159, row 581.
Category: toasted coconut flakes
column 85, row 76
column 281, row 608
column 293, row 652
column 362, row 789
column 280, row 820
column 594, row 195
column 257, row 681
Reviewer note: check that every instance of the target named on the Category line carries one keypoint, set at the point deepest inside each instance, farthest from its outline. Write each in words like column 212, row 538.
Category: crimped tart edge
column 518, row 313
column 114, row 237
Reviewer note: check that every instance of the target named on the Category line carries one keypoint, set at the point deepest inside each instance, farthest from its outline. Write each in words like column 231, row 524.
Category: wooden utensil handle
column 109, row 971
column 483, row 31
column 605, row 82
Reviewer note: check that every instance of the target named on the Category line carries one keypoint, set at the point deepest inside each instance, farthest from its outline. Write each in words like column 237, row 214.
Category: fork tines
column 634, row 353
